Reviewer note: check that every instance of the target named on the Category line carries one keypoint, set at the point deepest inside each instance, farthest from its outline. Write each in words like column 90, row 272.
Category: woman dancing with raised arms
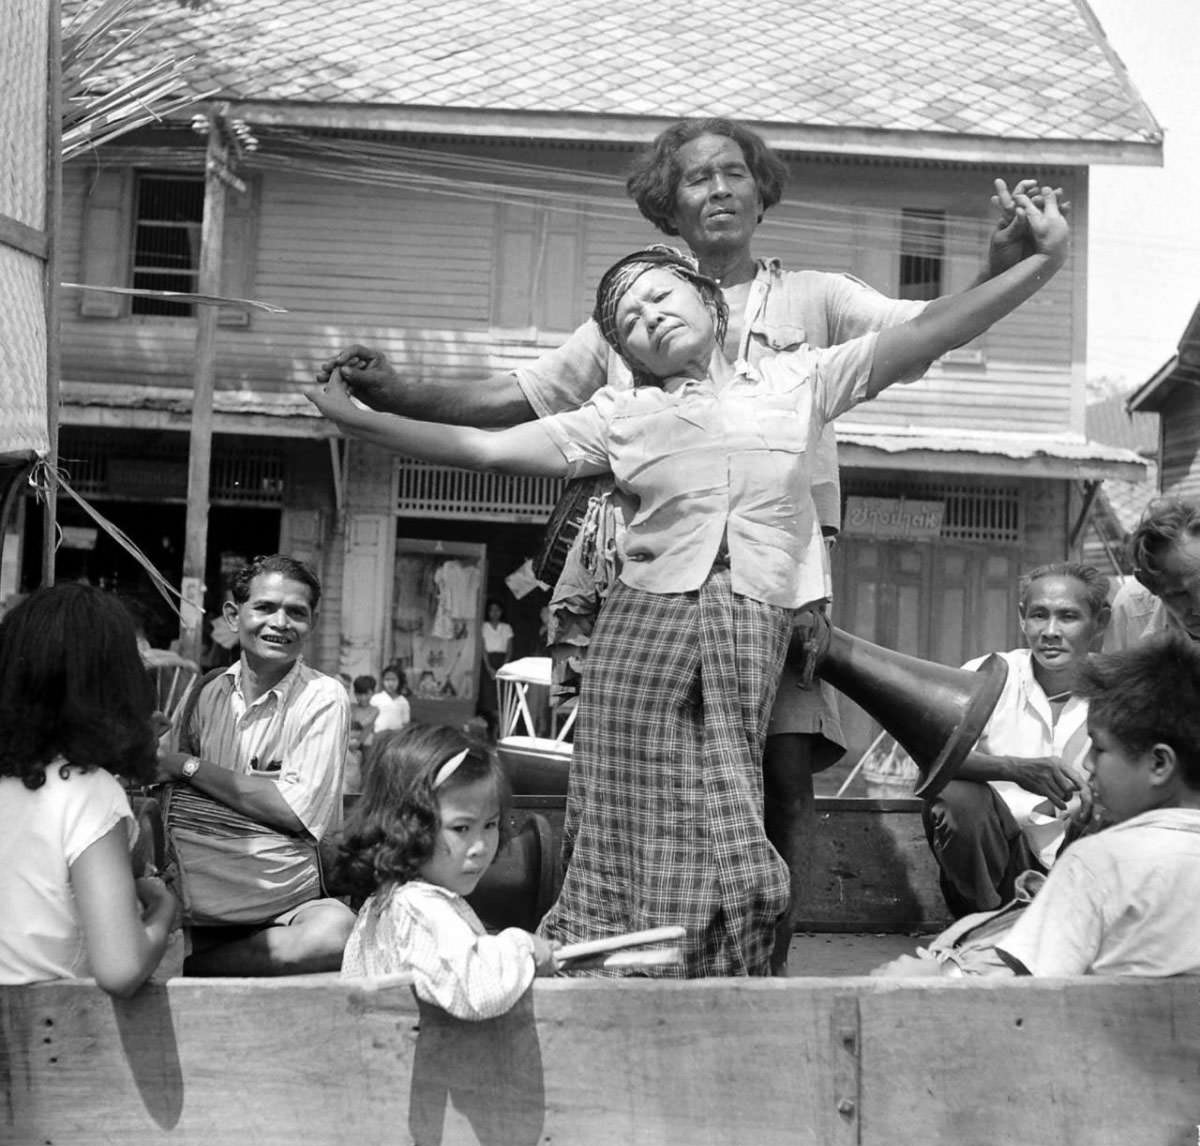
column 664, row 809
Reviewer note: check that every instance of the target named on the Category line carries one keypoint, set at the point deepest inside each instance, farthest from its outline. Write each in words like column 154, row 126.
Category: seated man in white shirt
column 1007, row 808
column 1123, row 902
column 1164, row 592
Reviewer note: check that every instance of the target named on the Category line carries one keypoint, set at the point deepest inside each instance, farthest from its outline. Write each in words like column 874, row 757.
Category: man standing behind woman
column 709, row 181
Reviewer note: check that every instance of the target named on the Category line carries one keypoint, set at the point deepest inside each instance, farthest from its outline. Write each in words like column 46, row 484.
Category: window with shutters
column 537, row 283
column 141, row 229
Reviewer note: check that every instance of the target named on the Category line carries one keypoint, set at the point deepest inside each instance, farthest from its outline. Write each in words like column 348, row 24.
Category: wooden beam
column 24, row 238
column 195, row 550
column 50, row 288
column 627, row 129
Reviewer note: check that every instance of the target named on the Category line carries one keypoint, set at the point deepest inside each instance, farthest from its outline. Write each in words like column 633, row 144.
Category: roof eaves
column 136, row 406
column 619, row 129
column 1011, row 455
column 1152, row 394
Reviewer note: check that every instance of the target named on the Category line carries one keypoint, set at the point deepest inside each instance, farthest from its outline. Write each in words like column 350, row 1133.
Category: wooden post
column 53, row 215
column 203, row 379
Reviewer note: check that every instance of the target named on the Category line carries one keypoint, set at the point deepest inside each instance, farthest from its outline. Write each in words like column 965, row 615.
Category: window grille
column 973, row 512
column 100, row 466
column 441, row 491
column 922, row 253
column 168, row 212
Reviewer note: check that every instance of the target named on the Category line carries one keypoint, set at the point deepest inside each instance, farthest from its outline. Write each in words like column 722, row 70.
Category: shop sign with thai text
column 893, row 517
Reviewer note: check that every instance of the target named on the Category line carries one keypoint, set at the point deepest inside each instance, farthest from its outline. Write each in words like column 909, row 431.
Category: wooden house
column 1118, row 503
column 444, row 181
column 1173, row 393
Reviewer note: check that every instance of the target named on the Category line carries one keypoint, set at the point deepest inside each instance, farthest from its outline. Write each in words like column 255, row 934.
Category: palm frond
column 105, row 94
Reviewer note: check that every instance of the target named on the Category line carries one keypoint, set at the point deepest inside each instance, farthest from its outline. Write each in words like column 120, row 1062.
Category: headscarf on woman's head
column 617, row 281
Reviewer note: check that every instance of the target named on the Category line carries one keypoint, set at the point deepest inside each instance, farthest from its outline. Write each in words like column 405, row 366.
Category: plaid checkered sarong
column 665, row 807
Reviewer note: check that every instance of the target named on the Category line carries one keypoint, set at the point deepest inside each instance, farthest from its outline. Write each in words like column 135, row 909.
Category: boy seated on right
column 1123, row 901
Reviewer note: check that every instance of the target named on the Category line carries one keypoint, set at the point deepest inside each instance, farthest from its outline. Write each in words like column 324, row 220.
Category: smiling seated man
column 1006, row 811
column 260, row 783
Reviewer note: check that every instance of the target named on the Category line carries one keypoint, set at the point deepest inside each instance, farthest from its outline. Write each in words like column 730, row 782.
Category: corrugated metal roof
column 991, row 452
column 272, row 413
column 952, row 69
column 1110, row 421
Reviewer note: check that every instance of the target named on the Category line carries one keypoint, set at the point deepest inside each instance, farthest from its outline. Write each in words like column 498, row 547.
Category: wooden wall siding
column 1179, row 436
column 415, row 273
column 833, row 1062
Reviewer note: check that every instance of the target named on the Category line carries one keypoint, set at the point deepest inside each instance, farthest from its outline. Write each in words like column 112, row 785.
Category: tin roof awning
column 277, row 414
column 1011, row 455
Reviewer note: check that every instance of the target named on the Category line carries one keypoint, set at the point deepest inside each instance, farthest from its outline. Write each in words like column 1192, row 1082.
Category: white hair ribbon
column 449, row 768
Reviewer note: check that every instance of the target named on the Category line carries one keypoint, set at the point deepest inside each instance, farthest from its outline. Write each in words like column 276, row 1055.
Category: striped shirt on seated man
column 266, row 739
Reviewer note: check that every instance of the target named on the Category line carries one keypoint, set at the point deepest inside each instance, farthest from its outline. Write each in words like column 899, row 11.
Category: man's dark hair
column 1165, row 522
column 364, row 683
column 72, row 685
column 654, row 176
column 292, row 569
column 1149, row 694
column 1094, row 582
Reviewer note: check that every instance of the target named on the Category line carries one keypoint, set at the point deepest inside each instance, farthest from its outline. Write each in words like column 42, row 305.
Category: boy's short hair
column 1149, row 694
column 364, row 683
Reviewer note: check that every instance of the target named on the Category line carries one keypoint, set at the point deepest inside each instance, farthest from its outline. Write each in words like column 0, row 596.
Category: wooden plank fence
column 814, row 1062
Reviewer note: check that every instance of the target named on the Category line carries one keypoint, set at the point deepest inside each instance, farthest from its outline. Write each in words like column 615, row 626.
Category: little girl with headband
column 427, row 827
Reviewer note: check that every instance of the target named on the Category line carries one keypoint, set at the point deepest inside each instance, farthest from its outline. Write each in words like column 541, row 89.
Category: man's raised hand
column 367, row 374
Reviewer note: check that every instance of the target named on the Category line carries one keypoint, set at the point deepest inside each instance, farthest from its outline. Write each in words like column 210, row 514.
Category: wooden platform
column 586, row 1063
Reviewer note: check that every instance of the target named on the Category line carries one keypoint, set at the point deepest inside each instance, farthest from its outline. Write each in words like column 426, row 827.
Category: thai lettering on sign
column 895, row 517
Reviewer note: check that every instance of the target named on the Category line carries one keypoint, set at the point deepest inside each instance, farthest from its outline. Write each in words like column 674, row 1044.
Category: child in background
column 393, row 709
column 421, row 837
column 75, row 713
column 363, row 716
column 1123, row 901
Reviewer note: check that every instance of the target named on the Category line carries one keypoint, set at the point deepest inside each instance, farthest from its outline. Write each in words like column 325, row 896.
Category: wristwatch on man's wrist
column 189, row 767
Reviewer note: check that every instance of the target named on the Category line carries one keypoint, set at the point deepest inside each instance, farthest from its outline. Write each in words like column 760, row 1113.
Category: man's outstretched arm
column 490, row 402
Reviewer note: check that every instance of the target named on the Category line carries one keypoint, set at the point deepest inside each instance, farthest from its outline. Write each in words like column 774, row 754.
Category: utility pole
column 53, row 228
column 218, row 174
